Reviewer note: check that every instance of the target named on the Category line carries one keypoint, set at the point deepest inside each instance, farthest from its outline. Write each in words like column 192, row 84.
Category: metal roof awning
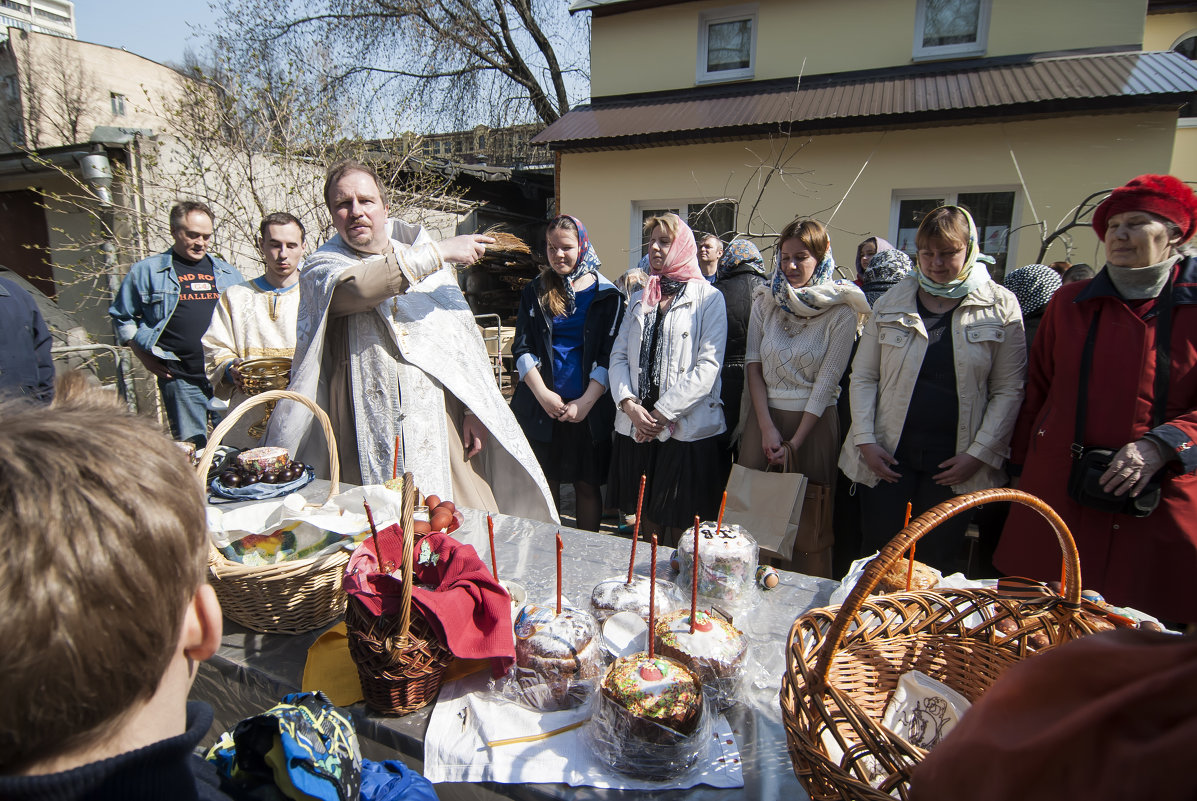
column 911, row 95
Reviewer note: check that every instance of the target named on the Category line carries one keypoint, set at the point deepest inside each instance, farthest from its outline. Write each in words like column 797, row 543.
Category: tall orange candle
column 373, row 535
column 490, row 528
column 910, row 562
column 652, row 600
column 694, row 578
column 560, row 546
column 722, row 506
column 395, row 466
column 636, row 530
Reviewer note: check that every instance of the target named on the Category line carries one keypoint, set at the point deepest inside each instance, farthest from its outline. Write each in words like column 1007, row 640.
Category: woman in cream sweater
column 800, row 338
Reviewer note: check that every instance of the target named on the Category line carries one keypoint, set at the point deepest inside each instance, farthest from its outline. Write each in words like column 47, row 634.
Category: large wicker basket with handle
column 843, row 663
column 400, row 662
column 288, row 597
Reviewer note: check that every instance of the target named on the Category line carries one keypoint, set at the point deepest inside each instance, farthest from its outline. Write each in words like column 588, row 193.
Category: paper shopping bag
column 768, row 505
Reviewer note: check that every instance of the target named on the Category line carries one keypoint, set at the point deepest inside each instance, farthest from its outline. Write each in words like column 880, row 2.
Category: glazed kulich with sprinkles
column 727, row 560
column 715, row 650
column 658, row 690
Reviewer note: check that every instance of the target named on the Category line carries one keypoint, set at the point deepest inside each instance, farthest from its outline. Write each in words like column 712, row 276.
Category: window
column 706, row 217
column 16, row 133
column 992, row 211
column 948, row 28
column 10, row 88
column 118, row 104
column 59, row 18
column 1187, row 47
column 726, row 44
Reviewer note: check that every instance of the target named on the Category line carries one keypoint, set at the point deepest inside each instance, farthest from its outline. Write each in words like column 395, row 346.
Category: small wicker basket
column 400, row 662
column 289, row 597
column 843, row 663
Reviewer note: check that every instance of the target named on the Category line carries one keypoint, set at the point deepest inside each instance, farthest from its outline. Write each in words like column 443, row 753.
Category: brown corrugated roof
column 907, row 95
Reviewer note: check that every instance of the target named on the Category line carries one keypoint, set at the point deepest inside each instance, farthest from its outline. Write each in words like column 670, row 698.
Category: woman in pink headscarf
column 665, row 380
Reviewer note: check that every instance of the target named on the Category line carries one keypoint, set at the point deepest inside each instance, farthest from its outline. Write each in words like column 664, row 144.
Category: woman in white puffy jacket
column 936, row 386
column 665, row 381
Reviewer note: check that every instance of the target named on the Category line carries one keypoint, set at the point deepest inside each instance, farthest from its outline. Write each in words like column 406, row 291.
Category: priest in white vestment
column 387, row 345
column 256, row 319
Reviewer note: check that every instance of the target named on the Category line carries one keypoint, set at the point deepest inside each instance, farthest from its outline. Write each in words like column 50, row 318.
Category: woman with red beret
column 1112, row 367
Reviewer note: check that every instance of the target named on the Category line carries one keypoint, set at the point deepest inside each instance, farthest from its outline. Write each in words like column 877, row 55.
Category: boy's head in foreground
column 106, row 612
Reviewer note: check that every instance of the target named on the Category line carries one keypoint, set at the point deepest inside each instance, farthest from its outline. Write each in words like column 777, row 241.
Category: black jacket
column 534, row 338
column 168, row 769
column 26, row 367
column 737, row 288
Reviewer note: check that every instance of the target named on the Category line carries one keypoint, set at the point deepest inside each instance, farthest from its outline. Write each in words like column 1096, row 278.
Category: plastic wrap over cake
column 558, row 659
column 617, row 595
column 650, row 719
column 727, row 564
column 716, row 650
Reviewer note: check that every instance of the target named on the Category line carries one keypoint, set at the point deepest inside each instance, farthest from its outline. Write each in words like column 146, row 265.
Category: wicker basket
column 400, row 662
column 289, row 597
column 843, row 663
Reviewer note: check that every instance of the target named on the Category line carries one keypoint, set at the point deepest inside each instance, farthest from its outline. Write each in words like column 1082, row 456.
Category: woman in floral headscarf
column 562, row 348
column 665, row 380
column 936, row 386
column 1034, row 286
column 800, row 338
column 885, row 270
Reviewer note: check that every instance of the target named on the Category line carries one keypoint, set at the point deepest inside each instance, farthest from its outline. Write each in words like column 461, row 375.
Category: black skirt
column 571, row 456
column 682, row 479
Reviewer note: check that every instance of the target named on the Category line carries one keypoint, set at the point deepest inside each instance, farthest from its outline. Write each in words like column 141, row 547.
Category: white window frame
column 977, row 48
column 119, row 103
column 950, row 195
column 729, row 14
column 1185, row 122
column 636, row 223
column 679, row 206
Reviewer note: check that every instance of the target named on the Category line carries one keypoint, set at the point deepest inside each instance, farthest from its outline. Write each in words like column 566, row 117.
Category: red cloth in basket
column 465, row 605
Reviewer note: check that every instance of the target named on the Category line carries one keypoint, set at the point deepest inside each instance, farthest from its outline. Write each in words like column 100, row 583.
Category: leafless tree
column 447, row 62
column 30, row 103
column 71, row 92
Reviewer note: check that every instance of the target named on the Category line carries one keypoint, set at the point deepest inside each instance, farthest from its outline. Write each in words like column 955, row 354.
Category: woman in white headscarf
column 800, row 337
column 936, row 386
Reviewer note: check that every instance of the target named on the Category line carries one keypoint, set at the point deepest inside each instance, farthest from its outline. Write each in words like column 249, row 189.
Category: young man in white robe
column 388, row 346
column 256, row 319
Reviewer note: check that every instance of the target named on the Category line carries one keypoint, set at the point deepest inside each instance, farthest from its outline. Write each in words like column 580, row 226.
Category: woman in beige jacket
column 936, row 386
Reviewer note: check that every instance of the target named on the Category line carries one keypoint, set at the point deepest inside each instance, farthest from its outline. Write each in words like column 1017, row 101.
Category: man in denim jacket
column 164, row 307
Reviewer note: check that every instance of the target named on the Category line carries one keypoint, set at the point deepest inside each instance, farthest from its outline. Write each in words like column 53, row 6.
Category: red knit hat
column 1162, row 195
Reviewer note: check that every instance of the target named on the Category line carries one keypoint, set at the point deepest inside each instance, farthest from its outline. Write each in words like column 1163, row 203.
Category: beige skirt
column 816, row 460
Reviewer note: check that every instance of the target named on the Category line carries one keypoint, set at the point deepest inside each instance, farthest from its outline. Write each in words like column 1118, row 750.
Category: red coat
column 1146, row 563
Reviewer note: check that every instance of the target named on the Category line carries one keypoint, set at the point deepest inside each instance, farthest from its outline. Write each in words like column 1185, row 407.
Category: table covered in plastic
column 252, row 671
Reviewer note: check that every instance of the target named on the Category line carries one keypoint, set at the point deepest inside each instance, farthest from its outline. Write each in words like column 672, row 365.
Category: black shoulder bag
column 1089, row 464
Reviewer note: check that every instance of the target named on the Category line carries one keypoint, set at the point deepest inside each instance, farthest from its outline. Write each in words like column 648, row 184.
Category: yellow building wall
column 657, row 49
column 1161, row 32
column 1062, row 161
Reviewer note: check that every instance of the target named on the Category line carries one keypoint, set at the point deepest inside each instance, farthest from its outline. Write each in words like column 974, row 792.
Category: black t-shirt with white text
column 193, row 314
